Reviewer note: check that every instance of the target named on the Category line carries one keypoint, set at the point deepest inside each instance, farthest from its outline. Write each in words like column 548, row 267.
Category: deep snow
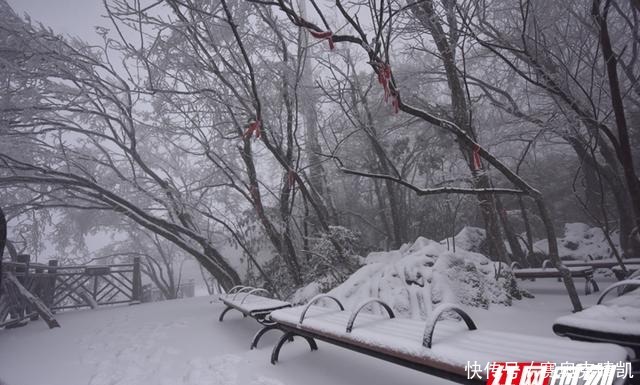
column 181, row 342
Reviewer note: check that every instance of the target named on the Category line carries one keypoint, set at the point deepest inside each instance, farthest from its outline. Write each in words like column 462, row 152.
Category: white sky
column 69, row 17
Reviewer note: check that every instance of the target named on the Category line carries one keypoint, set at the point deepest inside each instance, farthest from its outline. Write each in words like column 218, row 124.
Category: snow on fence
column 150, row 293
column 78, row 286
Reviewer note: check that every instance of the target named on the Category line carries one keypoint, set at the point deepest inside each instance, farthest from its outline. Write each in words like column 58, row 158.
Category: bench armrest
column 316, row 299
column 432, row 320
column 254, row 291
column 352, row 319
column 626, row 282
column 235, row 288
column 243, row 290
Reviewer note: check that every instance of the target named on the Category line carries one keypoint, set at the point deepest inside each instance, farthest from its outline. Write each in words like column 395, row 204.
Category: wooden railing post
column 37, row 288
column 21, row 273
column 137, row 280
column 50, row 284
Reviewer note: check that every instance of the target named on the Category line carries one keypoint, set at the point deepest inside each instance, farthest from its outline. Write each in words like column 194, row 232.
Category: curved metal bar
column 515, row 265
column 254, row 291
column 233, row 289
column 243, row 290
column 224, row 312
column 547, row 263
column 260, row 333
column 288, row 336
column 435, row 316
column 314, row 300
column 626, row 282
column 352, row 319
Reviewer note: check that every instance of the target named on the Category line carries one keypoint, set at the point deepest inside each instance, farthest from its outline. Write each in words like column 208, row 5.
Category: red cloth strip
column 476, row 160
column 323, row 35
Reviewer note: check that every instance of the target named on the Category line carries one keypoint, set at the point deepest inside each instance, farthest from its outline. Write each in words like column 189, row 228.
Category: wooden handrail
column 352, row 319
column 433, row 318
column 314, row 300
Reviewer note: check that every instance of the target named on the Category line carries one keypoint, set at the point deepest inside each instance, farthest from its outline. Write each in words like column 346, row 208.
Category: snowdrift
column 415, row 278
column 581, row 242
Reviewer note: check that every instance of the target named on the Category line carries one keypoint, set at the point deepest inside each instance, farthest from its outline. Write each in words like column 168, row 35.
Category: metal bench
column 551, row 272
column 444, row 351
column 632, row 271
column 246, row 300
column 615, row 321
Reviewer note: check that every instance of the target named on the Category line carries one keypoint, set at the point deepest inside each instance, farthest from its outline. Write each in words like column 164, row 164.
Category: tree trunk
column 555, row 257
column 446, row 46
column 516, row 251
column 624, row 147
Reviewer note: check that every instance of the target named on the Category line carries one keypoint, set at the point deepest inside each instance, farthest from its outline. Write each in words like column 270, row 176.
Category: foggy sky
column 69, row 17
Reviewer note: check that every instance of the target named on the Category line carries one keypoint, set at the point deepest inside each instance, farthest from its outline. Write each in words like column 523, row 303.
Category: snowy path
column 182, row 343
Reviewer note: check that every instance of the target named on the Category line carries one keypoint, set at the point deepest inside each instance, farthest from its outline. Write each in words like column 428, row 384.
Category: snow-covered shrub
column 581, row 242
column 324, row 265
column 414, row 279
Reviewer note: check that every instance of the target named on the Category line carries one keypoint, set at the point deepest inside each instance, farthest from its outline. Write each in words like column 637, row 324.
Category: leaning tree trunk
column 516, row 251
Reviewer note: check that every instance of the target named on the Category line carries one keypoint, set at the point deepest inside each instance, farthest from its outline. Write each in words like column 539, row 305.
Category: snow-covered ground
column 181, row 342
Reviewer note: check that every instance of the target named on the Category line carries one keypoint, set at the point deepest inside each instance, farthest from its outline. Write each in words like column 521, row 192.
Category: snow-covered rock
column 581, row 242
column 414, row 279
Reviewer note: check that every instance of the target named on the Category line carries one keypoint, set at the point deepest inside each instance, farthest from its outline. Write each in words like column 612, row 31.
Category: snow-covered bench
column 616, row 321
column 443, row 349
column 606, row 263
column 551, row 272
column 632, row 271
column 246, row 300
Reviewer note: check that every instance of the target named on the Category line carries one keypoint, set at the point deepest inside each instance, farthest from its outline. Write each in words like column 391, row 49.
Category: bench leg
column 288, row 336
column 587, row 287
column 260, row 333
column 224, row 312
column 590, row 283
column 595, row 285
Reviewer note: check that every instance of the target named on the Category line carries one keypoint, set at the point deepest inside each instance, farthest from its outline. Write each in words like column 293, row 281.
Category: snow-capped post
column 50, row 283
column 136, row 294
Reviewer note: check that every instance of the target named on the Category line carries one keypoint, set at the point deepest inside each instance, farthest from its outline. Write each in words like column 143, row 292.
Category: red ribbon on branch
column 475, row 158
column 254, row 127
column 384, row 78
column 328, row 35
column 291, row 178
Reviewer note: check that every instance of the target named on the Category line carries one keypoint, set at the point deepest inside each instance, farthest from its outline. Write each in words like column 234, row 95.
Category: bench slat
column 453, row 345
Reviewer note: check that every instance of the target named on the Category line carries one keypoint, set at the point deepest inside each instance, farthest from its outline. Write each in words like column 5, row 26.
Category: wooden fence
column 74, row 287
